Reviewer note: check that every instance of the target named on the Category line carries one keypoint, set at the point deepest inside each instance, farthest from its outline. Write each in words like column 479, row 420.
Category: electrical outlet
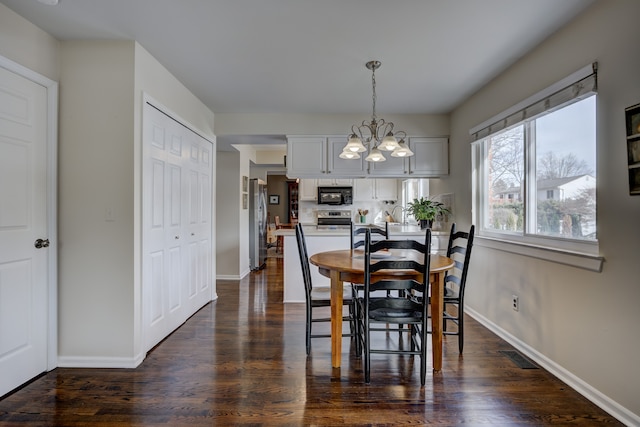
column 515, row 303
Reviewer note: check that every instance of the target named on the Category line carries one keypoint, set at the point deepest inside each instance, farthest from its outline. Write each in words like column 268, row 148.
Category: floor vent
column 521, row 361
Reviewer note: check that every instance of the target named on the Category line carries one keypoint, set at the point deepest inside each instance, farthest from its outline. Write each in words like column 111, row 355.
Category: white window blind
column 578, row 85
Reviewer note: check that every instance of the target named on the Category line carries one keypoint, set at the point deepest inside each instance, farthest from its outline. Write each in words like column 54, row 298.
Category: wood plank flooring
column 241, row 361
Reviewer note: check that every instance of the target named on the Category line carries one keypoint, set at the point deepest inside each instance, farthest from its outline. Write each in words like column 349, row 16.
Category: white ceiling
column 308, row 56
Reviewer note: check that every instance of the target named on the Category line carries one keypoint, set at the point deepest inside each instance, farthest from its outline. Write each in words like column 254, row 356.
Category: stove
column 333, row 220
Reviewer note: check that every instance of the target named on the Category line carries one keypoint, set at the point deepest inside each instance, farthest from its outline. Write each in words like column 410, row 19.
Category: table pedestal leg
column 336, row 318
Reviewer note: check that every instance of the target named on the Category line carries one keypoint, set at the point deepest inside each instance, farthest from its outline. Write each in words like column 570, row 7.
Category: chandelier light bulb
column 389, row 143
column 402, row 151
column 375, row 156
column 355, row 145
column 346, row 154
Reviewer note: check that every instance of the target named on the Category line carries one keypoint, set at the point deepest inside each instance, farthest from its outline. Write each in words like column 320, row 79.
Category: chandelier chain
column 373, row 85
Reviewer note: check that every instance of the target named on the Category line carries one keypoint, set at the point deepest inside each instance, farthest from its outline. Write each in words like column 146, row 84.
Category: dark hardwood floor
column 241, row 361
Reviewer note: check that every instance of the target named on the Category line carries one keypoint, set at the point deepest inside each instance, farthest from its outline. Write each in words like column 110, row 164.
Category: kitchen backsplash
column 376, row 211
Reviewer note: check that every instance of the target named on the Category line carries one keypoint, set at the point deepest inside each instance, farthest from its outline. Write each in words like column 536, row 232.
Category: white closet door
column 177, row 181
column 23, row 219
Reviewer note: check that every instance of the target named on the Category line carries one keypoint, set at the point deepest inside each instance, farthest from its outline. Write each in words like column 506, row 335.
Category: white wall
column 96, row 172
column 580, row 323
column 28, row 45
column 228, row 221
column 100, row 168
column 324, row 124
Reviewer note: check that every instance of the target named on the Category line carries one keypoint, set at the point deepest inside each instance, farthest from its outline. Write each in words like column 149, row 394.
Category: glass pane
column 565, row 142
column 505, row 179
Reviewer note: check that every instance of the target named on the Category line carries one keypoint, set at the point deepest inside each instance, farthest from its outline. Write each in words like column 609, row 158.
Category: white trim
column 585, row 71
column 52, row 200
column 575, row 259
column 603, row 401
column 100, row 362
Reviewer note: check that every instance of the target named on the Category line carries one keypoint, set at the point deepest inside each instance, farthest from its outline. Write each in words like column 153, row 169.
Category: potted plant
column 426, row 210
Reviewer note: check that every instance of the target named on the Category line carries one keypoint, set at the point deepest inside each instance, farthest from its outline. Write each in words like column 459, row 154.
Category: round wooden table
column 348, row 266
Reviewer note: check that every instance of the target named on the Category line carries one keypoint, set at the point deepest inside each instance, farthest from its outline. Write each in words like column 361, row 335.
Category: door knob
column 40, row 243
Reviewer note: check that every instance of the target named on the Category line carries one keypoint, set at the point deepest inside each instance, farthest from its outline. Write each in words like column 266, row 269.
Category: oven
column 334, row 219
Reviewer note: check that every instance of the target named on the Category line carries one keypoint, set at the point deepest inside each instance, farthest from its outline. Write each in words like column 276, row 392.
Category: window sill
column 575, row 259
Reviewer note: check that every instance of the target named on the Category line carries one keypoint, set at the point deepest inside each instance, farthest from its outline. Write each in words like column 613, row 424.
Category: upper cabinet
column 319, row 157
column 431, row 157
column 365, row 190
column 306, row 156
column 342, row 167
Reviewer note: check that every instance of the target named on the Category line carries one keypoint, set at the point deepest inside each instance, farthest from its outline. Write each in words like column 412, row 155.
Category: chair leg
column 367, row 352
column 356, row 320
column 423, row 354
column 308, row 330
column 460, row 328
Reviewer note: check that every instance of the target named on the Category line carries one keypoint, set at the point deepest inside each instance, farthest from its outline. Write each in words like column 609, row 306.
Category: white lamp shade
column 389, row 142
column 355, row 145
column 346, row 154
column 375, row 156
column 402, row 151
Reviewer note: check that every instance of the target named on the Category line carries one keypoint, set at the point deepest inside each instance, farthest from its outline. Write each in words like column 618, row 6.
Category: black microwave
column 335, row 195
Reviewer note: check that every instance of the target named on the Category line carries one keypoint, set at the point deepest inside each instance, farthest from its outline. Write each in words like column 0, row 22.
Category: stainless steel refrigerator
column 257, row 224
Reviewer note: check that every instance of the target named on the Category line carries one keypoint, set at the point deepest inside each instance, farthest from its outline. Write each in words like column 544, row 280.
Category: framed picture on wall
column 245, row 201
column 245, row 184
column 274, row 199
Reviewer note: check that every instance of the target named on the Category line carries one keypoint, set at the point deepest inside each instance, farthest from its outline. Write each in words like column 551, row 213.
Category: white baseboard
column 227, row 277
column 99, row 362
column 598, row 398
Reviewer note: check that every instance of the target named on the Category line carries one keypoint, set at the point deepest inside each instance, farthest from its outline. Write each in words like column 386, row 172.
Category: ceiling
column 308, row 56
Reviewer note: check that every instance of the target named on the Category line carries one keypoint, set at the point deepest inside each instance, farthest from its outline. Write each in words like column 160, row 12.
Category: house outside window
column 535, row 179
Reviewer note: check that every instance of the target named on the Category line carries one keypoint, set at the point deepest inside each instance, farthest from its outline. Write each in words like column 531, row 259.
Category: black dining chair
column 459, row 250
column 377, row 233
column 395, row 308
column 319, row 296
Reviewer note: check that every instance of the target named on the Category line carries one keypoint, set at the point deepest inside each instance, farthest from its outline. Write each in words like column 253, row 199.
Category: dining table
column 347, row 265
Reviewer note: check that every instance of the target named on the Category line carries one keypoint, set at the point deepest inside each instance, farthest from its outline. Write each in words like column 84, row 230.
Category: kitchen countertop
column 394, row 230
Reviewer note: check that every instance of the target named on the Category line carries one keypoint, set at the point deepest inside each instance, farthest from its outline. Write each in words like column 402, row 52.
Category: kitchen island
column 321, row 240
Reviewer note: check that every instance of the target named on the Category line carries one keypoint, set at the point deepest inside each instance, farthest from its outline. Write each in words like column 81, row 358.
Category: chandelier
column 377, row 135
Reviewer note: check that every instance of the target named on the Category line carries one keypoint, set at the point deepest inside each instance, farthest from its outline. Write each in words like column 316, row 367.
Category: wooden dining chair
column 459, row 250
column 319, row 296
column 398, row 307
column 279, row 239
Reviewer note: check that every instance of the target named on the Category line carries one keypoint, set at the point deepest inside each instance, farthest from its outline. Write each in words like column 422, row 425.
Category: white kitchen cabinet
column 308, row 190
column 363, row 190
column 319, row 157
column 343, row 167
column 306, row 156
column 386, row 189
column 366, row 190
column 431, row 156
column 335, row 182
column 393, row 166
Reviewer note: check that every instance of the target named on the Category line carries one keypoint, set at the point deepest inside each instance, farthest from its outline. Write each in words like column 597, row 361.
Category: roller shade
column 578, row 85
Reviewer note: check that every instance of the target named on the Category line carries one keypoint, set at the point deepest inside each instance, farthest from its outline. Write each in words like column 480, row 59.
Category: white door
column 23, row 219
column 177, row 224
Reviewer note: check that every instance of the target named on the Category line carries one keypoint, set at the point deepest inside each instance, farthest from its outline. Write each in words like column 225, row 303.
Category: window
column 535, row 175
